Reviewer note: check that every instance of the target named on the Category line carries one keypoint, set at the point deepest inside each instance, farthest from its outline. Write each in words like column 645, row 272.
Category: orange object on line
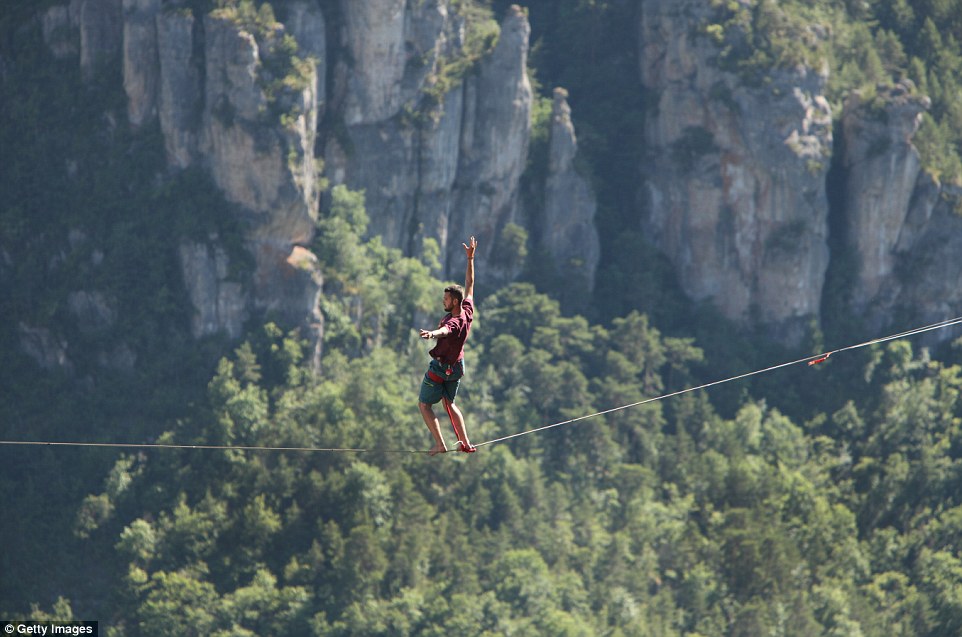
column 819, row 360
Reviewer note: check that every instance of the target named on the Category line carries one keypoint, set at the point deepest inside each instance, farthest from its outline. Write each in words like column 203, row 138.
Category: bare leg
column 434, row 427
column 457, row 421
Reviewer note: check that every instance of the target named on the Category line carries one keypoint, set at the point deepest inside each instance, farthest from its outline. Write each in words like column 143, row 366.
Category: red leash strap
column 447, row 408
column 465, row 447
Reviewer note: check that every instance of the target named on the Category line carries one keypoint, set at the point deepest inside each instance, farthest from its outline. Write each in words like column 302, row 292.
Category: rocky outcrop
column 92, row 310
column 735, row 184
column 47, row 350
column 376, row 46
column 882, row 178
column 494, row 140
column 141, row 66
column 259, row 148
column 902, row 228
column 180, row 94
column 220, row 304
column 433, row 165
column 446, row 170
column 261, row 166
column 232, row 101
column 59, row 27
column 428, row 111
column 929, row 271
column 569, row 234
column 220, row 107
column 305, row 21
column 101, row 34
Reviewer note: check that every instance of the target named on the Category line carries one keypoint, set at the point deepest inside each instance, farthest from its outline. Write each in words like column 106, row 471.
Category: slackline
column 810, row 360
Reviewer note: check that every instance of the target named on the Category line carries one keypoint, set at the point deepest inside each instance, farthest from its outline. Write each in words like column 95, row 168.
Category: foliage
column 761, row 37
column 813, row 501
column 667, row 515
column 481, row 33
column 372, row 294
column 283, row 74
column 85, row 207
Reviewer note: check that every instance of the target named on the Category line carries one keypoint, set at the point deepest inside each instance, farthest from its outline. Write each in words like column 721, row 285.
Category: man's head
column 453, row 295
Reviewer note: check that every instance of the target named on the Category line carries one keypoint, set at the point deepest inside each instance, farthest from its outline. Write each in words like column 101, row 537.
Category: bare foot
column 436, row 449
column 466, row 447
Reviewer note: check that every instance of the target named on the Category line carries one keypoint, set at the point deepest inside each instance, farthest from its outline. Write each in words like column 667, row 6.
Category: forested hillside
column 823, row 500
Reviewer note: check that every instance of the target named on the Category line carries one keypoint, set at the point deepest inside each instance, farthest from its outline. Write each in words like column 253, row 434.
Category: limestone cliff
column 569, row 233
column 221, row 106
column 882, row 170
column 421, row 105
column 735, row 183
column 180, row 96
column 928, row 270
column 735, row 192
column 444, row 170
column 494, row 139
column 141, row 65
column 902, row 227
column 101, row 34
column 428, row 110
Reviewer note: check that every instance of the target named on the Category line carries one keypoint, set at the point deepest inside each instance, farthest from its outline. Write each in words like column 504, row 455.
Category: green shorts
column 432, row 391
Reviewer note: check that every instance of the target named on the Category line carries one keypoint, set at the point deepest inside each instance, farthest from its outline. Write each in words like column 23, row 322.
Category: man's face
column 449, row 302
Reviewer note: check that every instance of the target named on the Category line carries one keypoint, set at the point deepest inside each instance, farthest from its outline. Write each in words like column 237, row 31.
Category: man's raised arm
column 469, row 273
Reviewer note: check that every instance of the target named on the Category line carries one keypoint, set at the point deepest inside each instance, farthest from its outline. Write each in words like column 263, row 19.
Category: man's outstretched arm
column 469, row 273
column 441, row 332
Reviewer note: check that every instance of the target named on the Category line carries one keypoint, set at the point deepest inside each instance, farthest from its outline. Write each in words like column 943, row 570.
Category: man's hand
column 469, row 249
column 469, row 271
column 426, row 335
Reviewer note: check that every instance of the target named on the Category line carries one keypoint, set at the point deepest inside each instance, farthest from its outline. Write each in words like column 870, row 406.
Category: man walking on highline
column 447, row 359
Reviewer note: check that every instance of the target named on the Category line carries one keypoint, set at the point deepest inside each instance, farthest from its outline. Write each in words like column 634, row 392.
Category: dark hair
column 456, row 291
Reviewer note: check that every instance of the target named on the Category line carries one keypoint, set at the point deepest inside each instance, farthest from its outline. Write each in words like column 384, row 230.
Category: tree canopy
column 824, row 500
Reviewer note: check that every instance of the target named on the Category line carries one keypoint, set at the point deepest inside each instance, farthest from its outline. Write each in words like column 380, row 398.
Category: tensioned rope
column 811, row 360
column 158, row 445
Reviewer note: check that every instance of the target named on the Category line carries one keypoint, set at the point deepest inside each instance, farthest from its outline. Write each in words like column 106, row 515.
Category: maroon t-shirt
column 450, row 349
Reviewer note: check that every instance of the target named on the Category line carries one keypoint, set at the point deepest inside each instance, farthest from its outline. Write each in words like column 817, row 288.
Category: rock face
column 444, row 172
column 569, row 234
column 220, row 304
column 101, row 34
column 494, row 139
column 735, row 187
column 883, row 170
column 58, row 25
column 141, row 66
column 429, row 112
column 306, row 23
column 266, row 169
column 376, row 45
column 180, row 96
column 229, row 100
column 929, row 271
column 247, row 154
column 45, row 348
column 902, row 227
column 220, row 108
column 736, row 181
